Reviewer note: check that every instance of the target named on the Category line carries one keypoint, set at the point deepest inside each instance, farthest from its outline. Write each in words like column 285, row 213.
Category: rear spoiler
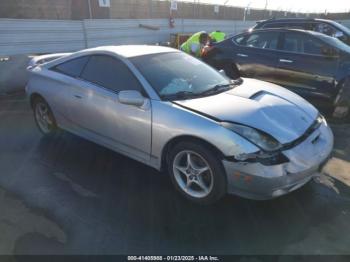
column 42, row 59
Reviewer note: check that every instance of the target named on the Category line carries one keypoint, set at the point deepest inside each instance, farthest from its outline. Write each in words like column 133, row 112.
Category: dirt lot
column 65, row 195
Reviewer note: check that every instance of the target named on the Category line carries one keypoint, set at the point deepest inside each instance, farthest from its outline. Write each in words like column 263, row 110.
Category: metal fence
column 21, row 36
column 40, row 36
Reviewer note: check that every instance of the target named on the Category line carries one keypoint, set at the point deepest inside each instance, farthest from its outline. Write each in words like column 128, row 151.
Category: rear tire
column 196, row 173
column 44, row 117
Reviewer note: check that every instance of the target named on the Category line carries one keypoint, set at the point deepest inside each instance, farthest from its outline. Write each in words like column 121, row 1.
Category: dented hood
column 261, row 105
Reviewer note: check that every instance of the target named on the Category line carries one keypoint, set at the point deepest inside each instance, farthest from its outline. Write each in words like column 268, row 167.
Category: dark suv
column 327, row 27
column 311, row 64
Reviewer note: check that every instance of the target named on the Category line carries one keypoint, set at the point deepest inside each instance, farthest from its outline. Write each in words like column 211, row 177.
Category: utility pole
column 226, row 2
column 265, row 9
column 194, row 8
column 246, row 10
column 90, row 11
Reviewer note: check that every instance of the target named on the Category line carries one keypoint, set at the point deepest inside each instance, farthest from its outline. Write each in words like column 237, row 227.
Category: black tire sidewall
column 219, row 186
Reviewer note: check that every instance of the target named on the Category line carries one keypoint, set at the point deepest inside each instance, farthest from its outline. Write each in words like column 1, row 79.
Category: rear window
column 110, row 73
column 72, row 67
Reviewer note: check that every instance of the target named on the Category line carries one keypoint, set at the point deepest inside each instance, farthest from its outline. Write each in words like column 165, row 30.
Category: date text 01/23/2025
column 173, row 258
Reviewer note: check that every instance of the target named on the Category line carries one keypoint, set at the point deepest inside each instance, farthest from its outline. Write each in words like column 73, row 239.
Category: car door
column 304, row 68
column 256, row 56
column 98, row 114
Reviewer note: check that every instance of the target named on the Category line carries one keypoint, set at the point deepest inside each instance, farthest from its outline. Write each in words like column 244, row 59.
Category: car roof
column 288, row 30
column 128, row 51
column 295, row 20
column 124, row 51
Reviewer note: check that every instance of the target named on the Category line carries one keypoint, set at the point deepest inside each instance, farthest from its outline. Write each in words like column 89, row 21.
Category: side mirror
column 131, row 97
column 222, row 72
column 339, row 34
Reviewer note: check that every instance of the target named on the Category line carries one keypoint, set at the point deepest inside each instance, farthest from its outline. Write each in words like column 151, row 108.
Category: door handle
column 286, row 61
column 242, row 55
column 78, row 96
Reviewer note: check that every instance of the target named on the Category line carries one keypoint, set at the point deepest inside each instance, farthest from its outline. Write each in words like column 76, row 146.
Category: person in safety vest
column 217, row 36
column 195, row 43
column 214, row 37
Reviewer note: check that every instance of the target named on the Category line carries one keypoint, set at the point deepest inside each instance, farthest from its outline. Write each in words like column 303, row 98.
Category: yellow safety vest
column 194, row 39
column 217, row 36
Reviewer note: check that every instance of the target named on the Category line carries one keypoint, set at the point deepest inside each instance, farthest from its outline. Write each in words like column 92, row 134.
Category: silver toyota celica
column 171, row 111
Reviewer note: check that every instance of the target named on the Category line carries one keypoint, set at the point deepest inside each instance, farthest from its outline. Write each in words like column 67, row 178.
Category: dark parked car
column 328, row 27
column 314, row 65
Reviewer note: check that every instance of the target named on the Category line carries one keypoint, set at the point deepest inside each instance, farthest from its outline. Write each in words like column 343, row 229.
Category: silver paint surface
column 142, row 133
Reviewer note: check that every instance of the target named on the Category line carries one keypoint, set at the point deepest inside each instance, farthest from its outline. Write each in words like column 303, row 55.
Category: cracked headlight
column 259, row 138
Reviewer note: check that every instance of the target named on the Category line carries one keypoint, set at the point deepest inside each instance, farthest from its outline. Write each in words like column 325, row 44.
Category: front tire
column 197, row 173
column 44, row 117
column 231, row 70
column 341, row 115
column 341, row 112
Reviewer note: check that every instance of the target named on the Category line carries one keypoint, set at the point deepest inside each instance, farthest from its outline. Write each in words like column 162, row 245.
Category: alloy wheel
column 193, row 174
column 42, row 116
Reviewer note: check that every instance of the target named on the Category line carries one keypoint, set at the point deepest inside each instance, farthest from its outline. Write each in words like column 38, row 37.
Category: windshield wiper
column 221, row 87
column 216, row 89
column 179, row 95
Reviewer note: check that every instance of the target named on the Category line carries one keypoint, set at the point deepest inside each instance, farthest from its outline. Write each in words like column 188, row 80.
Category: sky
column 307, row 6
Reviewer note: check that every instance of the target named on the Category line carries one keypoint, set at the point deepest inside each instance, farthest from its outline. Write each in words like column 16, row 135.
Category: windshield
column 177, row 73
column 335, row 42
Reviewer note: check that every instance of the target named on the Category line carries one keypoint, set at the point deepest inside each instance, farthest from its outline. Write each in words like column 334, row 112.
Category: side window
column 264, row 40
column 325, row 29
column 312, row 46
column 292, row 43
column 110, row 73
column 239, row 39
column 300, row 43
column 72, row 67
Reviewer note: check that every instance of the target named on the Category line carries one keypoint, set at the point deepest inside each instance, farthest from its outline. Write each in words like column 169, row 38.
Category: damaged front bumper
column 260, row 182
